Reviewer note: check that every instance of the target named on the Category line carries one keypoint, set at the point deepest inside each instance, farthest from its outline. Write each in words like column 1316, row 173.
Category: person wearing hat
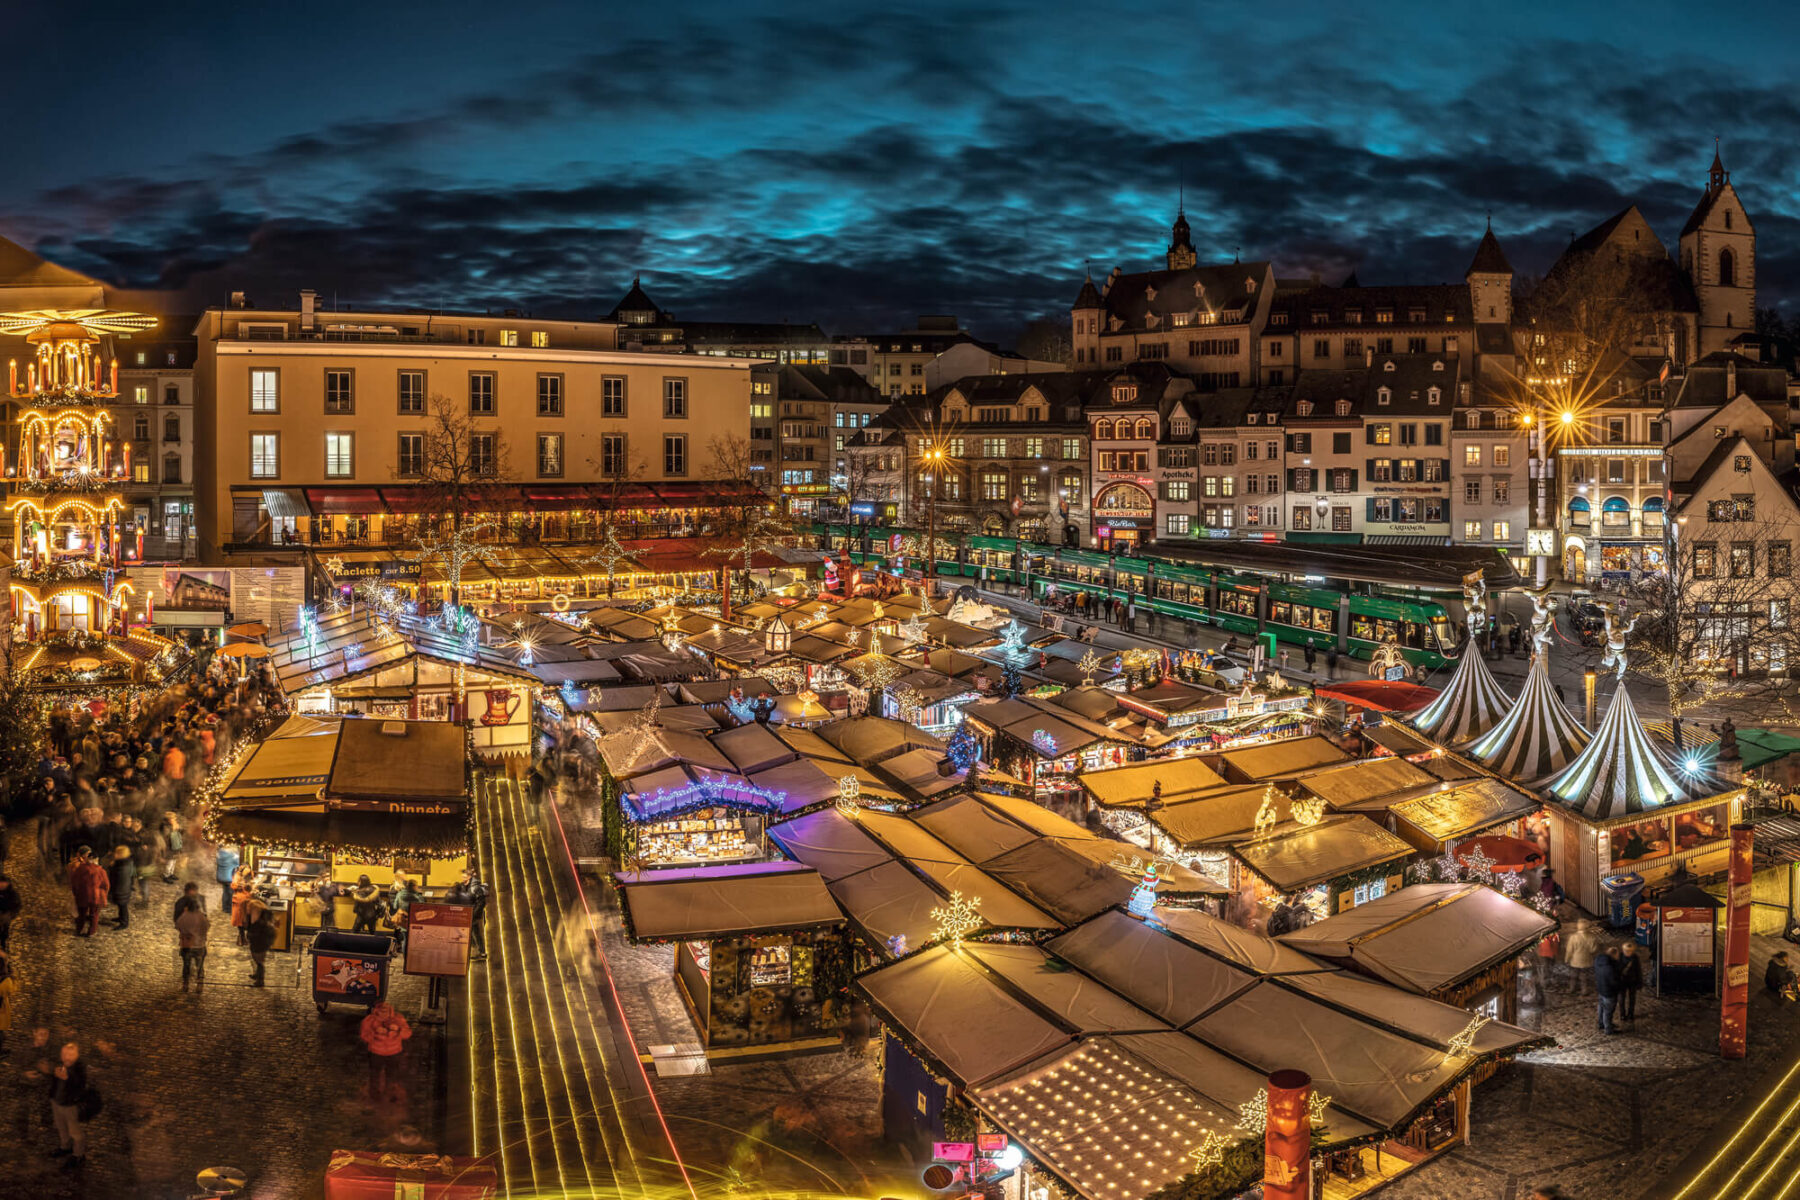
column 89, row 883
column 365, row 902
column 121, row 873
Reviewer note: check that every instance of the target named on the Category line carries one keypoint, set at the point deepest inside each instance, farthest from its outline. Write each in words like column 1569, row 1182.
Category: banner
column 1734, row 1016
column 1287, row 1138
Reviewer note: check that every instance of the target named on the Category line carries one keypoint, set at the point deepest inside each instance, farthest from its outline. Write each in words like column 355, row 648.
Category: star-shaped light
column 1210, row 1152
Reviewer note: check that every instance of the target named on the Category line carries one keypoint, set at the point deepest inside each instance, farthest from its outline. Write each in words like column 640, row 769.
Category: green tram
column 1321, row 614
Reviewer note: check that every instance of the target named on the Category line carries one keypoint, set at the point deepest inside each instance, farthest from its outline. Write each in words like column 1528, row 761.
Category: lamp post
column 933, row 457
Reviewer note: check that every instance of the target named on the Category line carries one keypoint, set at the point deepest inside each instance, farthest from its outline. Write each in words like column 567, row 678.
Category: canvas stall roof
column 1449, row 767
column 286, row 768
column 1363, row 780
column 1287, row 757
column 650, row 662
column 1472, row 704
column 1537, row 737
column 1410, row 1014
column 400, row 760
column 974, row 830
column 966, row 1022
column 1621, row 775
column 798, row 709
column 1001, row 907
column 1163, row 975
column 1131, row 787
column 875, row 739
column 629, row 698
column 954, row 663
column 623, row 625
column 582, row 672
column 1470, row 808
column 680, row 718
column 1313, row 854
column 635, row 751
column 811, row 744
column 916, row 771
column 957, row 636
column 1069, row 997
column 830, row 843
column 1032, row 815
column 1396, row 739
column 810, row 648
column 1428, row 936
column 1224, row 815
column 718, row 691
column 752, row 748
column 1236, row 945
column 1094, row 703
column 1059, row 879
column 886, row 902
column 435, row 836
column 808, row 782
column 722, row 901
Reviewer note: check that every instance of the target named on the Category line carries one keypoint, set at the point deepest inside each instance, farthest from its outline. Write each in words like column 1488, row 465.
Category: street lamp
column 933, row 458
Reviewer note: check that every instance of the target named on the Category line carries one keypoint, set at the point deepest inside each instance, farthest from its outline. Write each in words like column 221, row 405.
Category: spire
column 1489, row 258
column 1181, row 243
column 1089, row 296
column 1717, row 177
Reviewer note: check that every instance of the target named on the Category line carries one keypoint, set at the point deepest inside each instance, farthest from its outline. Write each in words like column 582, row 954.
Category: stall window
column 1635, row 843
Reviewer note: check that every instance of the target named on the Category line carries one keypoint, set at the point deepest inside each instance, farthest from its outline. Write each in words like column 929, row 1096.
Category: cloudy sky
column 855, row 164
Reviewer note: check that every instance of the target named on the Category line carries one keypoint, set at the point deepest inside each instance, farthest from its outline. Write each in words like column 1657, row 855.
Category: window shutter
column 1369, row 509
column 1353, row 478
column 1368, row 435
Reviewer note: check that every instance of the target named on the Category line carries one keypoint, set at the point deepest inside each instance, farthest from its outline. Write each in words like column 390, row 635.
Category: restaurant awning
column 350, row 501
column 286, row 503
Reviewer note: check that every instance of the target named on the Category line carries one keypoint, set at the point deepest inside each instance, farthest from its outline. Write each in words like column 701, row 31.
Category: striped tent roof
column 1537, row 737
column 1622, row 773
column 1472, row 704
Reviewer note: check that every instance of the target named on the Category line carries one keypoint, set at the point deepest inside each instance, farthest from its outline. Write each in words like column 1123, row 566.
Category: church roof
column 1537, row 737
column 1621, row 773
column 1489, row 258
column 1471, row 705
column 1596, row 237
column 21, row 268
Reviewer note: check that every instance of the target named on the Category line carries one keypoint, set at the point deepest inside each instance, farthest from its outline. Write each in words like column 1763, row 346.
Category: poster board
column 1687, row 937
column 437, row 939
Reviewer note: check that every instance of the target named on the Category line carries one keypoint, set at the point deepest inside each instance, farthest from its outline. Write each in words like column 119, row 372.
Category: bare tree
column 1590, row 307
column 462, row 467
column 745, row 519
column 616, row 482
column 1046, row 339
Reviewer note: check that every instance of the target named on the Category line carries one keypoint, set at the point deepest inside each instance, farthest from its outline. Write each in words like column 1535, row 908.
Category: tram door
column 1343, row 625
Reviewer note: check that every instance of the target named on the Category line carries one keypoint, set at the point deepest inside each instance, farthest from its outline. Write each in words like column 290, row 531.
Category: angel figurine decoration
column 1617, row 627
column 1475, row 594
column 1543, row 622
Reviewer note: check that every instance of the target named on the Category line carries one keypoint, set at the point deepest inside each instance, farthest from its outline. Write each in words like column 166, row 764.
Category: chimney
column 237, row 300
column 1731, row 379
column 309, row 303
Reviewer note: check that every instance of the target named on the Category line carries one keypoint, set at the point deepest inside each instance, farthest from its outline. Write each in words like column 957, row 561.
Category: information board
column 1687, row 937
column 437, row 939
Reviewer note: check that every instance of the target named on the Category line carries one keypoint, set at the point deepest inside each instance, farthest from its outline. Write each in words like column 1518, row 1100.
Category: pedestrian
column 121, row 873
column 1331, row 661
column 365, row 904
column 143, row 857
column 400, row 911
column 1312, row 658
column 325, row 894
column 1284, row 660
column 68, row 1088
column 225, row 865
column 1631, row 979
column 1551, row 890
column 1779, row 978
column 10, row 904
column 261, row 936
column 474, row 893
column 1547, row 947
column 243, row 887
column 192, row 926
column 88, row 882
column 176, row 842
column 9, row 990
column 384, row 1031
column 1578, row 956
column 1606, row 984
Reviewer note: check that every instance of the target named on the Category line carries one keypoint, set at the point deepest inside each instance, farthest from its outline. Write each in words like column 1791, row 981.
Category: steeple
column 1181, row 243
column 1089, row 296
column 1717, row 177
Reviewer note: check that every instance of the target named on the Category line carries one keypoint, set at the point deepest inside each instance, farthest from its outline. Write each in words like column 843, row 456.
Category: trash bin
column 1622, row 893
column 350, row 968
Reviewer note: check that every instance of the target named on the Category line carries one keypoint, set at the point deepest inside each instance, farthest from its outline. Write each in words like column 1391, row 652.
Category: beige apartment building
column 313, row 424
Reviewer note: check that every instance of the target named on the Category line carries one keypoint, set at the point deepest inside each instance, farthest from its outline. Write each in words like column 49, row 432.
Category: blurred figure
column 10, row 903
column 88, row 882
column 68, row 1083
column 192, row 926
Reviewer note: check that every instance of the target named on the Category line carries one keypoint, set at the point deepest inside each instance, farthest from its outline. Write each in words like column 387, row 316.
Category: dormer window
column 1149, row 292
column 1181, row 319
column 1320, row 316
column 1472, row 421
column 1353, row 316
column 1388, row 365
column 1384, row 396
column 1251, row 419
column 1124, row 393
column 1250, row 285
column 1303, row 409
column 1342, row 408
column 1180, row 427
column 1437, row 365
column 1415, row 314
column 1434, row 396
column 1278, row 318
column 1384, row 316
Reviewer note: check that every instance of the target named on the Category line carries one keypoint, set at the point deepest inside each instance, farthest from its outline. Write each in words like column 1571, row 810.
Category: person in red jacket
column 384, row 1032
column 87, row 879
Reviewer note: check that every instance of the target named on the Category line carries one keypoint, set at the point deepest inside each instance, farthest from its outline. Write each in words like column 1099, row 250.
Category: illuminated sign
column 1610, row 452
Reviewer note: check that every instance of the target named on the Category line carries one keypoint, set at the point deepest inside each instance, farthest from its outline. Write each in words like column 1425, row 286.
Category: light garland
column 1463, row 1044
column 1308, row 810
column 1210, row 1152
column 849, row 795
column 1266, row 817
column 1253, row 1114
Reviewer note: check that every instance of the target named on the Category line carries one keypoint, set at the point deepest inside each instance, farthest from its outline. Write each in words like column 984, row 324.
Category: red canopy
column 1379, row 694
column 1506, row 853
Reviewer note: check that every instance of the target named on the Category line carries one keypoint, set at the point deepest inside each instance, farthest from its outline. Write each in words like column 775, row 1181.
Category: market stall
column 761, row 958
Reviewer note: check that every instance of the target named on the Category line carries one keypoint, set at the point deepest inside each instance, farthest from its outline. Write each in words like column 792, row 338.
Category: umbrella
column 245, row 650
column 249, row 629
column 1505, row 853
column 1379, row 694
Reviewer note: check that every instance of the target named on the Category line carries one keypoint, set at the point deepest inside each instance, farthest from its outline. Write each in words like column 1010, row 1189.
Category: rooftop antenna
column 1235, row 250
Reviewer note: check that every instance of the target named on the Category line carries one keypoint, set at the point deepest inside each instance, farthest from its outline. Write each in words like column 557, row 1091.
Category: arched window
column 1653, row 515
column 1580, row 513
column 1146, row 429
column 1727, row 269
column 1615, row 512
column 1472, row 420
column 1343, row 408
column 1103, row 429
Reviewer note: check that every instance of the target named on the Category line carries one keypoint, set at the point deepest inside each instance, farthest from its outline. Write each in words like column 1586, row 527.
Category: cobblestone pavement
column 1610, row 1118
column 242, row 1077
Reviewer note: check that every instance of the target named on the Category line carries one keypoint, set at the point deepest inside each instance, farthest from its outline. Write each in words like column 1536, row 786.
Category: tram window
column 1238, row 602
column 1440, row 630
column 1362, row 627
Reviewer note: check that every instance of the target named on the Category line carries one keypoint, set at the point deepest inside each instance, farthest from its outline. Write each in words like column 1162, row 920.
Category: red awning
column 1504, row 853
column 1379, row 694
column 353, row 501
column 605, row 496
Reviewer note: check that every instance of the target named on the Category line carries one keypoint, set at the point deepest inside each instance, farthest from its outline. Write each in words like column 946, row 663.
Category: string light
column 1463, row 1044
column 955, row 920
column 1210, row 1152
column 849, row 795
column 1089, row 667
column 1307, row 810
column 1266, row 817
column 1254, row 1113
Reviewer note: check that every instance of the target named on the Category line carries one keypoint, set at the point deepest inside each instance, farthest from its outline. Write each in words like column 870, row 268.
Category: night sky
column 857, row 164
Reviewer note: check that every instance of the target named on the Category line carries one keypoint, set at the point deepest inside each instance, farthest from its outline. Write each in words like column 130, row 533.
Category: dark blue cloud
column 857, row 164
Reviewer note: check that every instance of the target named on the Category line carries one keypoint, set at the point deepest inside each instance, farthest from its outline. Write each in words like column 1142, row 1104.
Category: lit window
column 265, row 455
column 265, row 391
column 1471, row 456
column 550, row 454
column 539, row 338
column 509, row 337
column 340, row 455
column 1502, row 530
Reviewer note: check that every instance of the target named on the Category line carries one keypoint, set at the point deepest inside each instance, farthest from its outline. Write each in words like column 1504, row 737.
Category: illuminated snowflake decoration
column 1210, row 1152
column 956, row 920
column 571, row 694
column 1463, row 1044
column 849, row 796
column 1253, row 1114
column 1044, row 740
column 335, row 564
column 1089, row 667
column 1308, row 810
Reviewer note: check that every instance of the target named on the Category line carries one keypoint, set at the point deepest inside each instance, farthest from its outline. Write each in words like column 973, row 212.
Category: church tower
column 1086, row 316
column 1181, row 254
column 1490, row 280
column 1718, row 255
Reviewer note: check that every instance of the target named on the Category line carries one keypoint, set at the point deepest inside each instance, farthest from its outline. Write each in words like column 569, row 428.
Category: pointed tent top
column 1538, row 737
column 1472, row 704
column 1489, row 258
column 1621, row 773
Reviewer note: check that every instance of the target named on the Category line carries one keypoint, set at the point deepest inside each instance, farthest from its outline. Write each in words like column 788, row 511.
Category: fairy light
column 1210, row 1152
column 849, row 795
column 1463, row 1044
column 955, row 920
column 1089, row 667
column 1308, row 810
column 1253, row 1114
column 1266, row 816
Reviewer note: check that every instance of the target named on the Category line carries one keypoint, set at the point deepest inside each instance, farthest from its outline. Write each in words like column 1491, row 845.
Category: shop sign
column 413, row 808
column 862, row 510
column 1124, row 522
column 1177, row 474
column 437, row 938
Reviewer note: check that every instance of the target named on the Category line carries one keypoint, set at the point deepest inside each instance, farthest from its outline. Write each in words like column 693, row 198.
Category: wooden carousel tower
column 67, row 549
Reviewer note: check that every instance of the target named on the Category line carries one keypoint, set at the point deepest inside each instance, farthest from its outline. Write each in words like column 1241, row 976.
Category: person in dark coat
column 121, row 873
column 261, row 937
column 1779, row 977
column 365, row 903
column 10, row 903
column 1631, row 978
column 1607, row 984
